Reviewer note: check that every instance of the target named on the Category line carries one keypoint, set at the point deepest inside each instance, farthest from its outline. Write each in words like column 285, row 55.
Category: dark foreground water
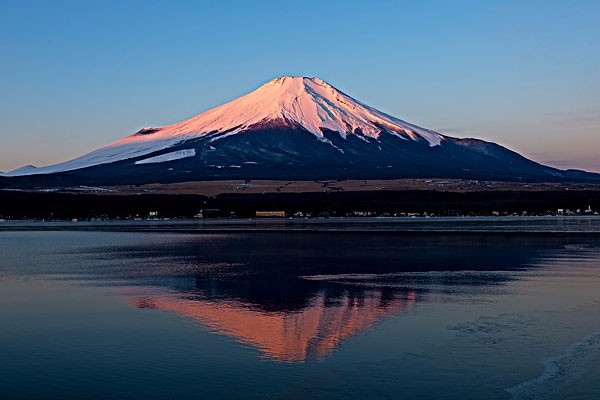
column 299, row 315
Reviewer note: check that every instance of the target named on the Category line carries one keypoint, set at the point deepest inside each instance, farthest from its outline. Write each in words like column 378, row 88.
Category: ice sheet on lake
column 559, row 371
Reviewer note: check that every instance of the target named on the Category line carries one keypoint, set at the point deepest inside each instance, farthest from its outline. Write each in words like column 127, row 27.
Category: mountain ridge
column 293, row 128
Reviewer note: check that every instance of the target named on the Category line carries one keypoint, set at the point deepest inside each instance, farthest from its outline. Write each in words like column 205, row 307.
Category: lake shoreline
column 442, row 225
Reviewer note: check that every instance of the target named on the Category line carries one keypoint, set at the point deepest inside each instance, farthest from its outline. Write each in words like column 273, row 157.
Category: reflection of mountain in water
column 298, row 296
column 312, row 332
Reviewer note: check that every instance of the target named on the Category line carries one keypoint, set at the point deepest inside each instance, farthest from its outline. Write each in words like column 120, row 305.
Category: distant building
column 271, row 214
column 364, row 213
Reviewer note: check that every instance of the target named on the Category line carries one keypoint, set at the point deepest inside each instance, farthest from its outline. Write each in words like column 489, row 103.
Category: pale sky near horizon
column 76, row 75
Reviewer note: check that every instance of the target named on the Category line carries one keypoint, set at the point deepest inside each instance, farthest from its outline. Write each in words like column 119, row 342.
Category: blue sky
column 75, row 75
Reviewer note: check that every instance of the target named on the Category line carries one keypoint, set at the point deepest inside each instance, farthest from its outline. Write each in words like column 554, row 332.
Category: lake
column 495, row 308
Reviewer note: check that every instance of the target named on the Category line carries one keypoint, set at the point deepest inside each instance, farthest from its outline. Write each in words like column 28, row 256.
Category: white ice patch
column 560, row 371
column 174, row 155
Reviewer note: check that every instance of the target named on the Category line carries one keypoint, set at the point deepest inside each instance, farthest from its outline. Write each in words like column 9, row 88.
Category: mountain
column 291, row 128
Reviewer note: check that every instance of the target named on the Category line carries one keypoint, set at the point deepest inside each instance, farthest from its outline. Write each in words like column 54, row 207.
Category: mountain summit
column 293, row 128
column 309, row 103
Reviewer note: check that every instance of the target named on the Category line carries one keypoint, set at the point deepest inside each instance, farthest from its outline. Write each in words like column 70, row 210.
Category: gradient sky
column 76, row 75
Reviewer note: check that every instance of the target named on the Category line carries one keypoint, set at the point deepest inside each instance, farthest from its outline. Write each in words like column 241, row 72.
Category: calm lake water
column 160, row 311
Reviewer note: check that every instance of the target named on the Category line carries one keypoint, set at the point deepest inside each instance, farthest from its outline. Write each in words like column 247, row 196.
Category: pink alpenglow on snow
column 310, row 103
column 291, row 128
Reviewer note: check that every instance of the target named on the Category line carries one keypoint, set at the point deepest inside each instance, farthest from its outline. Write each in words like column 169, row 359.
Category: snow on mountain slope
column 307, row 102
column 174, row 155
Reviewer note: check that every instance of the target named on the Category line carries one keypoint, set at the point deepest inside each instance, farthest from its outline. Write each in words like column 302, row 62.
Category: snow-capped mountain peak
column 290, row 128
column 309, row 103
